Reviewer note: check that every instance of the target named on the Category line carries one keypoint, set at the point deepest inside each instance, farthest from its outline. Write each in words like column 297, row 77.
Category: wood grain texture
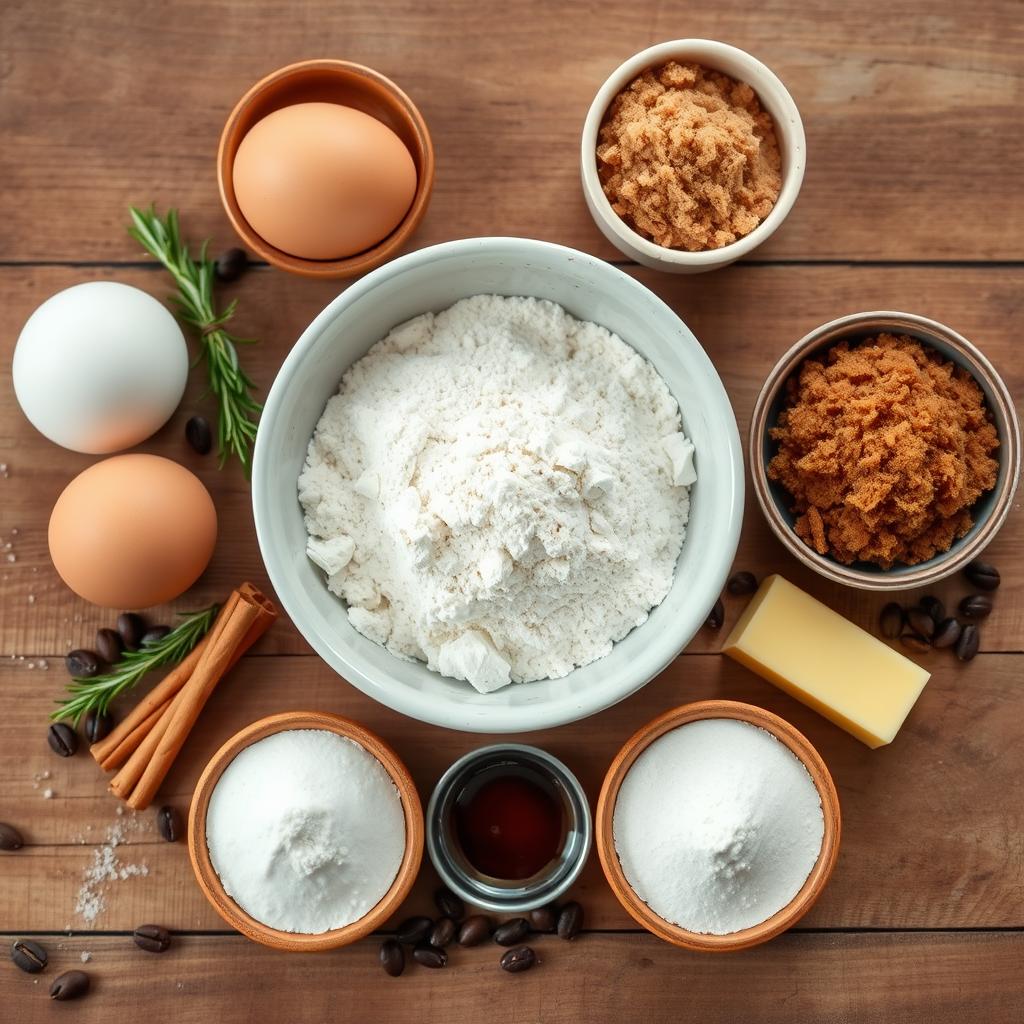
column 910, row 978
column 931, row 836
column 912, row 121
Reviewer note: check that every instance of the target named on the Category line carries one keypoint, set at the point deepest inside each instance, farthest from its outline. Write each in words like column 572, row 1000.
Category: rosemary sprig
column 97, row 693
column 239, row 411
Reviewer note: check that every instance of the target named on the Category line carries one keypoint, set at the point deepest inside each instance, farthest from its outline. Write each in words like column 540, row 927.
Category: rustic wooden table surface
column 911, row 201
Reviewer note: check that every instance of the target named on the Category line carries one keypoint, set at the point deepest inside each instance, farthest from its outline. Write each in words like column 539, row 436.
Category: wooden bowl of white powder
column 717, row 826
column 305, row 832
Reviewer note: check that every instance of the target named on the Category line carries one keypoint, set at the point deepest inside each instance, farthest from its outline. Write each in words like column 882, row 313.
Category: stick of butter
column 825, row 661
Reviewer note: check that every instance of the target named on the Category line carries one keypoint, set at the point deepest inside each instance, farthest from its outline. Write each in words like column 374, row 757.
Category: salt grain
column 86, row 956
column 106, row 868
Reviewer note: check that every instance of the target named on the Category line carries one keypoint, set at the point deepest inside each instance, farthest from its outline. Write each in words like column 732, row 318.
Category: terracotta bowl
column 210, row 882
column 989, row 512
column 820, row 873
column 329, row 81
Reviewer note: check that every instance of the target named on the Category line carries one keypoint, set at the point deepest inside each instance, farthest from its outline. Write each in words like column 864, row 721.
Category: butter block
column 825, row 661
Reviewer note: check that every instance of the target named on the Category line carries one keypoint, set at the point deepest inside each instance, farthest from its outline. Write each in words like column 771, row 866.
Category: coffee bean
column 62, row 738
column 153, row 938
column 131, row 627
column 891, row 620
column 983, row 575
column 741, row 583
column 392, row 957
column 934, row 607
column 544, row 920
column 168, row 824
column 429, row 956
column 198, row 435
column 154, row 635
column 82, row 664
column 28, row 955
column 967, row 646
column 946, row 633
column 474, row 930
column 522, row 958
column 443, row 932
column 230, row 265
column 449, row 904
column 716, row 616
column 976, row 606
column 414, row 929
column 921, row 622
column 70, row 985
column 915, row 643
column 109, row 645
column 97, row 725
column 10, row 837
column 508, row 933
column 570, row 921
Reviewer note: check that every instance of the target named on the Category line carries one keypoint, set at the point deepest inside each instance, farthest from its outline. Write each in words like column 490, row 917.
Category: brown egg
column 322, row 181
column 132, row 531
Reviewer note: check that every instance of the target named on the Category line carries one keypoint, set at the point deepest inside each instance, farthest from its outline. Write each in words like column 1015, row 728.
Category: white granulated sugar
column 305, row 829
column 717, row 826
column 499, row 490
column 106, row 868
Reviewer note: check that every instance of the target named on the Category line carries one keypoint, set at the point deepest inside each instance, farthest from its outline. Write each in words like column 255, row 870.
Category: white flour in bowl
column 499, row 490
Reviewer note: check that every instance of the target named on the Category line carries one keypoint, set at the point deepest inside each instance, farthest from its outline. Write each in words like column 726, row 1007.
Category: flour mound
column 499, row 490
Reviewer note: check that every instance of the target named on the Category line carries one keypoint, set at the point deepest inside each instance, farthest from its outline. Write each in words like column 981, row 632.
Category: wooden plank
column 857, row 979
column 743, row 339
column 930, row 838
column 912, row 136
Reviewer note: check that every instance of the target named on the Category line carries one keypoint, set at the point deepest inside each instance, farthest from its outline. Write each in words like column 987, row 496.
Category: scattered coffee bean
column 570, row 921
column 153, row 938
column 915, row 643
column 934, row 607
column 967, row 646
column 508, row 933
column 544, row 920
column 97, row 725
column 109, row 645
column 429, row 956
column 28, row 955
column 392, row 957
column 443, row 932
column 10, row 837
column 741, row 583
column 62, row 738
column 716, row 616
column 82, row 664
column 522, row 958
column 414, row 929
column 946, row 633
column 983, row 575
column 449, row 904
column 168, row 824
column 976, row 606
column 921, row 622
column 891, row 620
column 474, row 930
column 70, row 985
column 198, row 435
column 131, row 627
column 154, row 635
column 230, row 265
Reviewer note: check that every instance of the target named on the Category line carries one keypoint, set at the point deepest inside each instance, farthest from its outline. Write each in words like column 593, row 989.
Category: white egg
column 100, row 367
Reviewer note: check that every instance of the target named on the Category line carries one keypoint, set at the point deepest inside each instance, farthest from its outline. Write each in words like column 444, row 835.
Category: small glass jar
column 450, row 859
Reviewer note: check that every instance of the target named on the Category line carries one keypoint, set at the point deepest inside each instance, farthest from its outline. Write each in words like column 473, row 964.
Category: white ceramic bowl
column 433, row 279
column 774, row 97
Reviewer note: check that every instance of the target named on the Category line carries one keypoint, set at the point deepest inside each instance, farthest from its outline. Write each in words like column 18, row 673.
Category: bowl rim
column 209, row 881
column 1004, row 415
column 360, row 262
column 705, row 52
column 798, row 745
column 405, row 699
